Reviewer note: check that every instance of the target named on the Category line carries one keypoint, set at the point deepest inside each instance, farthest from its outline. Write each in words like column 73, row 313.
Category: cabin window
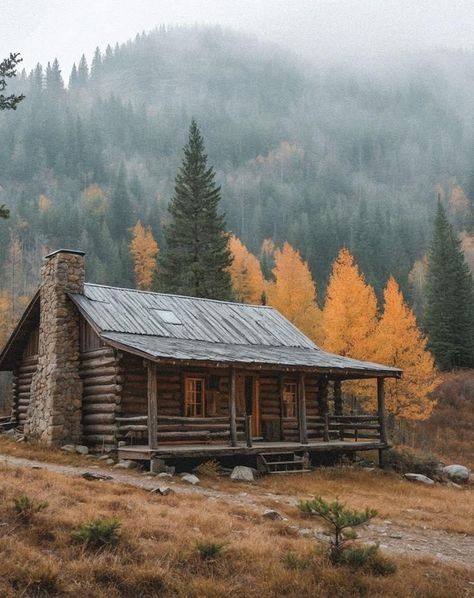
column 194, row 397
column 289, row 399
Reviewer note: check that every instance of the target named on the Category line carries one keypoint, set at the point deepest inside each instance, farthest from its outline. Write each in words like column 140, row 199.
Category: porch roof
column 189, row 329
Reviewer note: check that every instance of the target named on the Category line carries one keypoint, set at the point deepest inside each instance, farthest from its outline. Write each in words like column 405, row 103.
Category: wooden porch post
column 232, row 408
column 337, row 397
column 302, row 409
column 281, row 388
column 152, row 387
column 323, row 404
column 381, row 415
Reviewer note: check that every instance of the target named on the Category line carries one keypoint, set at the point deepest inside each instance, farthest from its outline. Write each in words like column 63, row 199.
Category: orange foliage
column 294, row 292
column 350, row 311
column 458, row 201
column 467, row 244
column 144, row 250
column 5, row 317
column 245, row 272
column 398, row 342
column 44, row 203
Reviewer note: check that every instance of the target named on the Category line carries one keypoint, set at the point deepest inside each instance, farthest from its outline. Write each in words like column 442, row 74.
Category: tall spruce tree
column 196, row 257
column 119, row 215
column 449, row 314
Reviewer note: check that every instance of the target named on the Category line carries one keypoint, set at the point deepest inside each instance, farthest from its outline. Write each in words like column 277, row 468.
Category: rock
column 457, row 473
column 418, row 477
column 81, row 449
column 450, row 484
column 104, row 457
column 273, row 515
column 126, row 464
column 88, row 475
column 162, row 491
column 190, row 478
column 69, row 448
column 9, row 433
column 241, row 473
column 110, row 461
column 164, row 474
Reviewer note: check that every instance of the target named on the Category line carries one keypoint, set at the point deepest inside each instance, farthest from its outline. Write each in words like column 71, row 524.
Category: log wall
column 22, row 378
column 100, row 373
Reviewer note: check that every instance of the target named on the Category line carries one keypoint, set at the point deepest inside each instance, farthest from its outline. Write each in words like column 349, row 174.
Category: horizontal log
column 102, row 389
column 99, row 408
column 132, row 428
column 352, row 417
column 99, row 429
column 98, row 418
column 191, row 435
column 353, row 426
column 363, row 436
column 110, row 372
column 201, row 420
column 132, row 418
column 86, row 355
column 101, row 380
column 100, row 398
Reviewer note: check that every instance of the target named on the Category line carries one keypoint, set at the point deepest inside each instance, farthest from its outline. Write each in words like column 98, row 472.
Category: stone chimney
column 54, row 413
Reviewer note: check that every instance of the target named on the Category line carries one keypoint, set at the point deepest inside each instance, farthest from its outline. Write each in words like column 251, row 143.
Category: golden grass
column 392, row 497
column 157, row 553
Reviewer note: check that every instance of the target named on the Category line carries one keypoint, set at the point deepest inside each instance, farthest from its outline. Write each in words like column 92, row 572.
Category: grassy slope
column 157, row 554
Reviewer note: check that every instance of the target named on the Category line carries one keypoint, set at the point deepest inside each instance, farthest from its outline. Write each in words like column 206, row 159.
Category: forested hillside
column 322, row 156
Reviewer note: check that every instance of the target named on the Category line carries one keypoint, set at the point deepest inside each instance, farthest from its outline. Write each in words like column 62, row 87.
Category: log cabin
column 156, row 376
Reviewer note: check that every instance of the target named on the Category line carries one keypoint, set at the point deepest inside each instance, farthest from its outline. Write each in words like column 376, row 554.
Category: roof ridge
column 233, row 303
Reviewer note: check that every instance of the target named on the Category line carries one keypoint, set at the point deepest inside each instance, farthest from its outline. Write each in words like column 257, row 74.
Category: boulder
column 418, row 477
column 241, row 473
column 272, row 515
column 190, row 478
column 126, row 464
column 81, row 449
column 162, row 491
column 88, row 475
column 164, row 474
column 69, row 448
column 457, row 473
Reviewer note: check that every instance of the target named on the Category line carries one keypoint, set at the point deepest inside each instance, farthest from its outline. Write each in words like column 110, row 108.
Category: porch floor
column 143, row 452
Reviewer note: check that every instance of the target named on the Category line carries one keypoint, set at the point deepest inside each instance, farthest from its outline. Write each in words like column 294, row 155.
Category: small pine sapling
column 341, row 522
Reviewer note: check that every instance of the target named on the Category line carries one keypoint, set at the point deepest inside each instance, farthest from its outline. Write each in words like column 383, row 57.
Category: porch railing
column 214, row 429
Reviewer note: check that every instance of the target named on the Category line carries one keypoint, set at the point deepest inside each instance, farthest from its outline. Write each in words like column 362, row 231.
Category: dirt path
column 393, row 537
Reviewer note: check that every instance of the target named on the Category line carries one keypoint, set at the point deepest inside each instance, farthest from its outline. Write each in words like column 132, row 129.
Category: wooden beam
column 337, row 397
column 381, row 408
column 232, row 407
column 152, row 393
column 323, row 395
column 302, row 409
column 281, row 388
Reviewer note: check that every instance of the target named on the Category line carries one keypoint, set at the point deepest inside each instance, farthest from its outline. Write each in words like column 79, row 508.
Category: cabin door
column 248, row 401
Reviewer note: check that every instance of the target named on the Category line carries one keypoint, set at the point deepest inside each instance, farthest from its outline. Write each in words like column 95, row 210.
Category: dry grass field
column 157, row 553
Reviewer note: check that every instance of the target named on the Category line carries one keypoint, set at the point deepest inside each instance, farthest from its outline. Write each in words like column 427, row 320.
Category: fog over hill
column 324, row 156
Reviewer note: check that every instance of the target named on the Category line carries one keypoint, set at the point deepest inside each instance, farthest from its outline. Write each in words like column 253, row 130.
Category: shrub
column 405, row 460
column 293, row 560
column 209, row 550
column 367, row 557
column 209, row 469
column 98, row 533
column 26, row 508
column 340, row 521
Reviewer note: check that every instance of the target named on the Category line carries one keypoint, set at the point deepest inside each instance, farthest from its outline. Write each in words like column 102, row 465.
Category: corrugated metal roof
column 218, row 331
column 137, row 312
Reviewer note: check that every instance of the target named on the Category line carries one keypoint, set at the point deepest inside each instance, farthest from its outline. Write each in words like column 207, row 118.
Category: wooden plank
column 302, row 408
column 152, row 394
column 337, row 397
column 381, row 408
column 232, row 407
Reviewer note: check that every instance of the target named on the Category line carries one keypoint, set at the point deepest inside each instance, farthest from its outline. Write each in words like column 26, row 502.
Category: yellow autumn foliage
column 246, row 273
column 144, row 250
column 398, row 342
column 350, row 311
column 293, row 292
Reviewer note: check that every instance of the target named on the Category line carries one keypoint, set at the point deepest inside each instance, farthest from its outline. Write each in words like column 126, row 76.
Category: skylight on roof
column 168, row 316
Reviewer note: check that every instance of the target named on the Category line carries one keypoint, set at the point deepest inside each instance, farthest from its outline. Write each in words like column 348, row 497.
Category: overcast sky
column 44, row 29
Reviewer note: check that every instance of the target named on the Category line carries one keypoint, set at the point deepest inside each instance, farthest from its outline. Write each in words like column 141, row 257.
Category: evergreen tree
column 96, row 64
column 73, row 77
column 449, row 315
column 119, row 213
column 196, row 258
column 82, row 71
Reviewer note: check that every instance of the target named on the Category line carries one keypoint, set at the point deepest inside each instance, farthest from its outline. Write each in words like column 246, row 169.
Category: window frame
column 294, row 400
column 192, row 378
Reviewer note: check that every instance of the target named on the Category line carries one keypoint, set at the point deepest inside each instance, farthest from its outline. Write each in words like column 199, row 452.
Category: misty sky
column 44, row 29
